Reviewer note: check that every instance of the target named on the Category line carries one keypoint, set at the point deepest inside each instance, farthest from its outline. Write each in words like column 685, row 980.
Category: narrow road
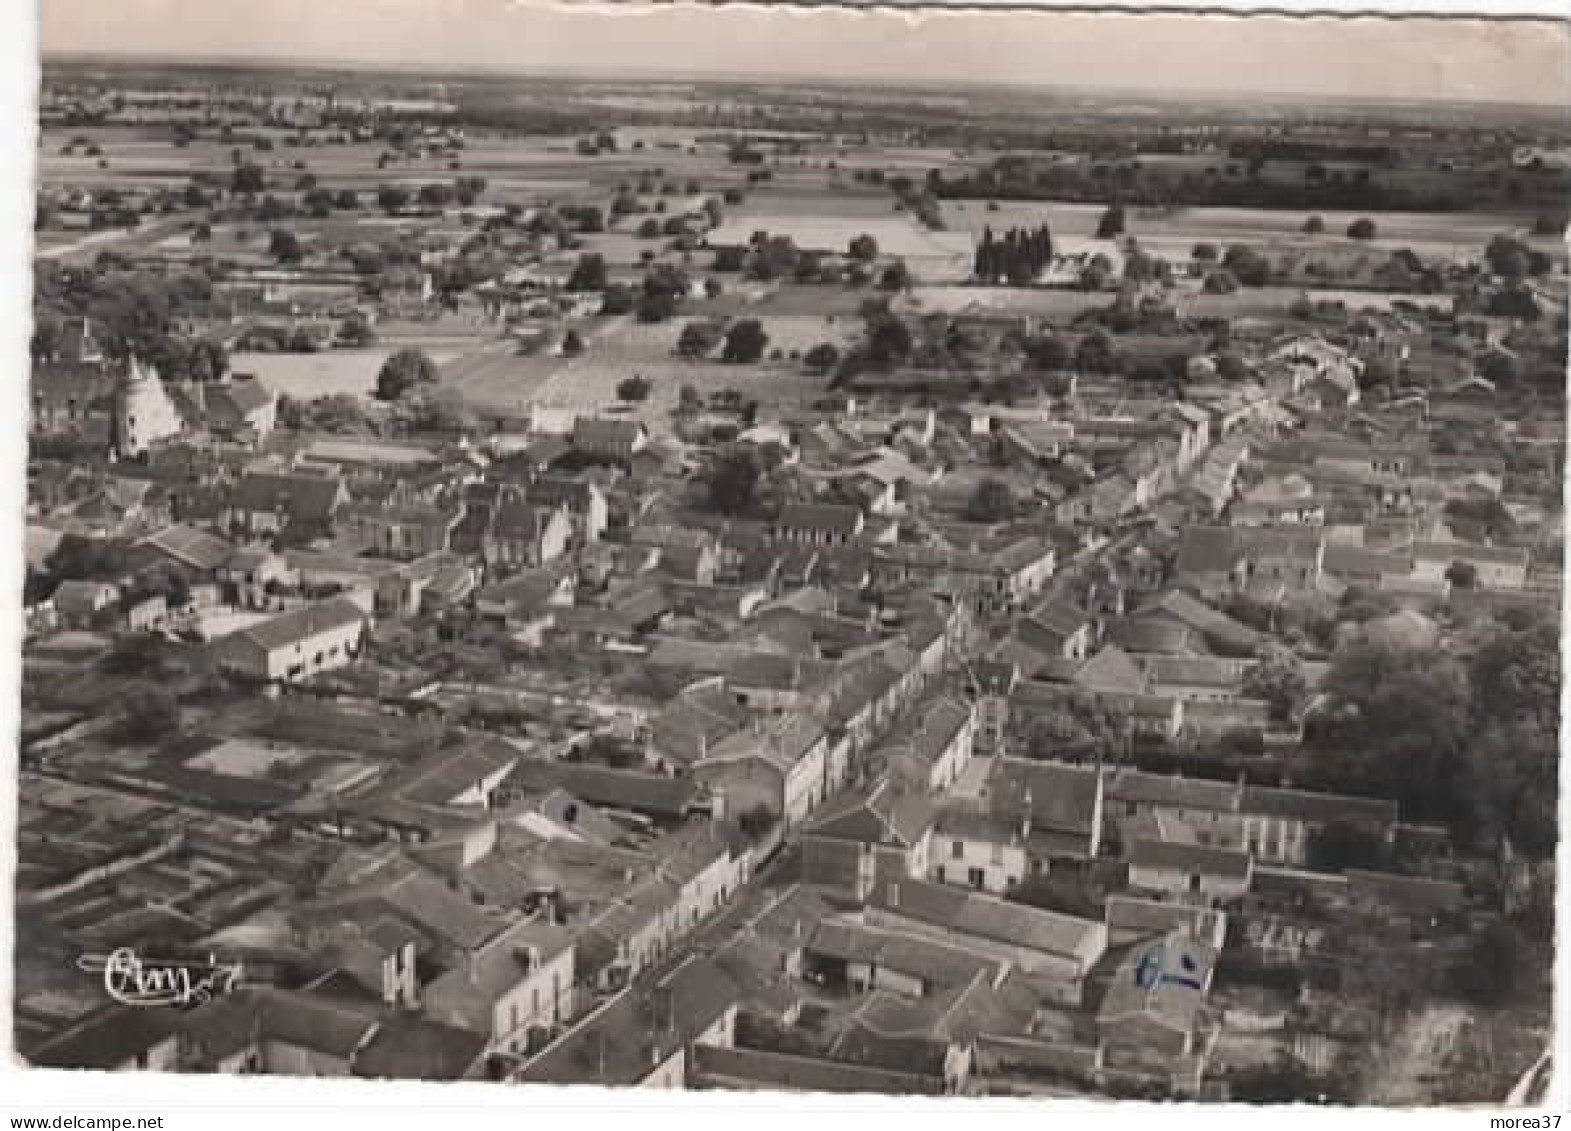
column 110, row 239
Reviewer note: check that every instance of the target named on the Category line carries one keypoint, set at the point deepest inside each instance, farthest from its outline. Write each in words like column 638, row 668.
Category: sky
column 1409, row 59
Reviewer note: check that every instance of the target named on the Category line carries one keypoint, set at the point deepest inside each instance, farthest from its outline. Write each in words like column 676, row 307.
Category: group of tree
column 1462, row 735
column 1512, row 260
column 662, row 290
column 1018, row 257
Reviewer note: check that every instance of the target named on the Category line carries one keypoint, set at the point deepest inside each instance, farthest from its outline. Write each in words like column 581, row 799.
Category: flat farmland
column 744, row 299
column 818, row 199
column 500, row 379
column 1003, row 300
column 896, row 235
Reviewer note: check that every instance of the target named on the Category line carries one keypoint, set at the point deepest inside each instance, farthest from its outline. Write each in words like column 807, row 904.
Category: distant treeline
column 1282, row 149
column 1016, row 179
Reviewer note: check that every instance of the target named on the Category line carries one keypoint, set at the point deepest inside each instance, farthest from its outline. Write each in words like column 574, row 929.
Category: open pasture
column 624, row 348
column 306, row 376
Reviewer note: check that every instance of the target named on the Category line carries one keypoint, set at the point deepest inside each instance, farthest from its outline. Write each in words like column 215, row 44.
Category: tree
column 284, row 246
column 733, row 481
column 655, row 306
column 634, row 389
column 730, row 259
column 649, row 229
column 991, row 501
column 1220, row 283
column 151, row 713
column 1516, row 676
column 1462, row 575
column 1139, row 267
column 864, row 248
column 247, row 180
column 1277, row 678
column 1314, row 226
column 1111, row 225
column 745, row 342
column 392, row 198
column 1232, row 368
column 821, row 358
column 896, row 277
column 1047, row 352
column 356, row 331
column 402, row 372
column 436, row 410
column 1362, row 229
column 1247, row 265
column 617, row 300
column 572, row 344
column 888, row 340
column 588, row 274
column 1399, row 719
column 1507, row 258
column 1205, row 253
column 436, row 195
column 698, row 338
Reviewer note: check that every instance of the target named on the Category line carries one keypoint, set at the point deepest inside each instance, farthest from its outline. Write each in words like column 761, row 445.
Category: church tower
column 144, row 413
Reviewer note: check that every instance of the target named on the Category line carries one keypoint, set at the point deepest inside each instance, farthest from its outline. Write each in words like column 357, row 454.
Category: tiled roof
column 410, row 1047
column 303, row 498
column 1174, row 855
column 986, row 917
column 1173, row 791
column 303, row 624
column 1208, row 549
column 1053, row 796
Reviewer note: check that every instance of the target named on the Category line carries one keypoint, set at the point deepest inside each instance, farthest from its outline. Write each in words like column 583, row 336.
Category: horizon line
column 496, row 71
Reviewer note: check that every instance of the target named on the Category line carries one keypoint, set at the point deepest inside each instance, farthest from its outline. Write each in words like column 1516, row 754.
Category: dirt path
column 1417, row 1055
